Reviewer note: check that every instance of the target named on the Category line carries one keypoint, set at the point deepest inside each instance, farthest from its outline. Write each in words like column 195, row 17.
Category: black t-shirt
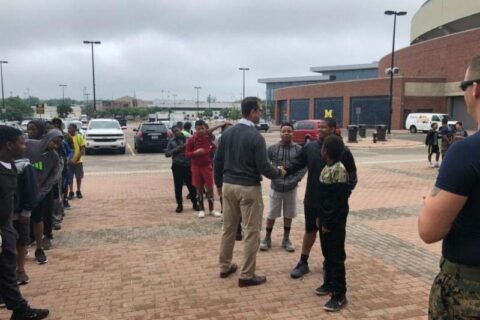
column 460, row 174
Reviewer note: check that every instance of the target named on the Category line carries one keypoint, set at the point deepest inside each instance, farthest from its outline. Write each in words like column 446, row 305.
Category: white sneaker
column 216, row 214
column 430, row 165
column 201, row 214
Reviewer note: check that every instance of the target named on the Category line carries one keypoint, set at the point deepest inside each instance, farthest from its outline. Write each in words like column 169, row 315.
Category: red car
column 307, row 131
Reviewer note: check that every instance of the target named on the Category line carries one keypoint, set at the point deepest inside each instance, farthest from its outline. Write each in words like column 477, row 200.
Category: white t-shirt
column 7, row 165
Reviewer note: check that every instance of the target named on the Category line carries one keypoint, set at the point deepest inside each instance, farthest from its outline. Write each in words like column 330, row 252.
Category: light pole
column 174, row 96
column 198, row 102
column 243, row 70
column 93, row 75
column 1, row 76
column 391, row 71
column 63, row 92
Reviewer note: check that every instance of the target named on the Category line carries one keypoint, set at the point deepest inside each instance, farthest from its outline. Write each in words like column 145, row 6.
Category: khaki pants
column 246, row 202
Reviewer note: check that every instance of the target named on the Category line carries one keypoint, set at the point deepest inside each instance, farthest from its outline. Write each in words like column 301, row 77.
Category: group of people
column 447, row 136
column 36, row 182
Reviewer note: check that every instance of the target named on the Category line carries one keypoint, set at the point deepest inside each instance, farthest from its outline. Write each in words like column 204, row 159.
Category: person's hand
column 219, row 191
column 179, row 148
column 283, row 173
column 325, row 230
column 199, row 152
column 71, row 162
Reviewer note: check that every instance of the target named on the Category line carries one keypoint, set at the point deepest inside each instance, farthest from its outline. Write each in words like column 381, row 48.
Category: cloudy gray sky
column 152, row 45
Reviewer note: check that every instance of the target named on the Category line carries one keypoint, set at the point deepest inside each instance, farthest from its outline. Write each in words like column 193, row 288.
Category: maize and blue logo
column 328, row 113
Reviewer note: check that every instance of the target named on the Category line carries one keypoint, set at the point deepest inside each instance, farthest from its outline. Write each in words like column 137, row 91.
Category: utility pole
column 1, row 75
column 198, row 102
column 93, row 75
column 243, row 70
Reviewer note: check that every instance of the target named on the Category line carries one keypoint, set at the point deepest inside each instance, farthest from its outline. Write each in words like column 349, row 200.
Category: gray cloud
column 148, row 46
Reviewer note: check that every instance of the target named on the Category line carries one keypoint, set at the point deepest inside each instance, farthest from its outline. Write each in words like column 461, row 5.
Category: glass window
column 157, row 127
column 435, row 118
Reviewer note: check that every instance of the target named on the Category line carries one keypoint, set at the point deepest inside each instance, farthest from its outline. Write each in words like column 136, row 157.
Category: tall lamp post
column 391, row 71
column 63, row 92
column 243, row 70
column 198, row 102
column 1, row 76
column 93, row 75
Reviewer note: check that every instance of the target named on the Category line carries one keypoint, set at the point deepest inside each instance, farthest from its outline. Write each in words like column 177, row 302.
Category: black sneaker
column 196, row 207
column 22, row 278
column 300, row 270
column 46, row 243
column 40, row 256
column 30, row 314
column 57, row 226
column 79, row 195
column 336, row 303
column 323, row 290
column 179, row 209
column 2, row 303
column 71, row 195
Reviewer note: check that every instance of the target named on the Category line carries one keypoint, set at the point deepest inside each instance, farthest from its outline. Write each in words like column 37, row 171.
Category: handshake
column 283, row 173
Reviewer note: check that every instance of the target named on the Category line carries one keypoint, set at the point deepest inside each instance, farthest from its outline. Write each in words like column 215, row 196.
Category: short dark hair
column 179, row 125
column 249, row 104
column 8, row 134
column 174, row 127
column 334, row 147
column 433, row 124
column 474, row 68
column 460, row 123
column 331, row 122
column 201, row 123
column 286, row 124
column 73, row 126
column 187, row 126
column 444, row 120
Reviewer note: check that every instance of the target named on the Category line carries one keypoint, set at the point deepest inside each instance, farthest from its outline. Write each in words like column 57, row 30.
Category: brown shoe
column 255, row 281
column 233, row 268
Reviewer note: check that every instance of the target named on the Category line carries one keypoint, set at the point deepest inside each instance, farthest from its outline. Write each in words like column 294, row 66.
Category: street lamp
column 93, row 74
column 243, row 70
column 63, row 92
column 1, row 76
column 198, row 102
column 392, row 69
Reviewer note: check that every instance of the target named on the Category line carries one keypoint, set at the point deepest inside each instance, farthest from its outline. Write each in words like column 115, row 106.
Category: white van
column 423, row 121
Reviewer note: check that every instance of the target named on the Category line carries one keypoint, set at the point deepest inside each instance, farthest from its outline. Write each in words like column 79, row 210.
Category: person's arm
column 427, row 138
column 170, row 149
column 457, row 177
column 349, row 163
column 216, row 127
column 299, row 162
column 29, row 193
column 68, row 149
column 298, row 176
column 189, row 148
column 218, row 164
column 261, row 160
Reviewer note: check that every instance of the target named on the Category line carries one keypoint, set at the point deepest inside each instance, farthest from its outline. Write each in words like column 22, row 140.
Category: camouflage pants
column 454, row 298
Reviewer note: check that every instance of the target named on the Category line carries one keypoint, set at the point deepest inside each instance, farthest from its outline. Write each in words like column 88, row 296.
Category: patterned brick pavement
column 124, row 254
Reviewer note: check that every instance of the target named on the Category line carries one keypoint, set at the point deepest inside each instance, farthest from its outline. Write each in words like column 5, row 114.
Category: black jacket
column 333, row 204
column 8, row 186
column 310, row 157
column 178, row 156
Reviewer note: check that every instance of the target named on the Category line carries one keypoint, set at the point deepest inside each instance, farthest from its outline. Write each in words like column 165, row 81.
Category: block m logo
column 328, row 113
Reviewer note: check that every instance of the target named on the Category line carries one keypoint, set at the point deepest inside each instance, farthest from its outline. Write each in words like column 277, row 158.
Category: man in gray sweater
column 283, row 190
column 240, row 161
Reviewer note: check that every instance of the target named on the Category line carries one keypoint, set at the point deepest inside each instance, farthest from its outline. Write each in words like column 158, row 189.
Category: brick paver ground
column 124, row 254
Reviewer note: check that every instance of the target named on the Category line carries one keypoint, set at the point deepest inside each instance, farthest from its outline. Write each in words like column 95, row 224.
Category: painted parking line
column 131, row 150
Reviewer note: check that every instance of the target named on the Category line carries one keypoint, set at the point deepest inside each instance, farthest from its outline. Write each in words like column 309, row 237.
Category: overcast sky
column 152, row 45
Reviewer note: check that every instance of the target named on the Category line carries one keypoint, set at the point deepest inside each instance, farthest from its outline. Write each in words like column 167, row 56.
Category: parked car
column 307, row 131
column 151, row 135
column 104, row 134
column 423, row 121
column 16, row 126
column 262, row 126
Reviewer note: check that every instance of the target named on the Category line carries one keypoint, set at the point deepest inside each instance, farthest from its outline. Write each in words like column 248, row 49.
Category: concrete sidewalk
column 124, row 254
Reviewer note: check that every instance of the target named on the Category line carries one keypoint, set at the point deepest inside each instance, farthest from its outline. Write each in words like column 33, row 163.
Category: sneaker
column 57, row 226
column 40, row 256
column 430, row 165
column 216, row 214
column 265, row 244
column 201, row 214
column 300, row 270
column 288, row 245
column 336, row 303
column 437, row 165
column 323, row 290
column 66, row 206
column 71, row 195
column 30, row 314
column 79, row 195
column 47, row 243
column 179, row 208
column 22, row 278
column 196, row 207
column 2, row 303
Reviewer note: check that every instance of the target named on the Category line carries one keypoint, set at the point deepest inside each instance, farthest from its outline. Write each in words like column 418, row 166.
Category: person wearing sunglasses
column 451, row 213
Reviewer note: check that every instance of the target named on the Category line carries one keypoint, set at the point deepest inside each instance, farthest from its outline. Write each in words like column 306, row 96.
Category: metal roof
column 346, row 67
column 295, row 79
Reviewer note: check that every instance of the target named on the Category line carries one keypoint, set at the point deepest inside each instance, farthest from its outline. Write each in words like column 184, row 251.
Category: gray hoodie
column 281, row 155
column 45, row 162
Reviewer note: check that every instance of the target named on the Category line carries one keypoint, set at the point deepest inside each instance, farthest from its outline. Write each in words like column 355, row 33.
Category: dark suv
column 151, row 135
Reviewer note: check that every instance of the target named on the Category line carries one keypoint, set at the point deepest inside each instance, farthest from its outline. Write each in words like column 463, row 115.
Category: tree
column 16, row 109
column 208, row 112
column 64, row 110
column 231, row 113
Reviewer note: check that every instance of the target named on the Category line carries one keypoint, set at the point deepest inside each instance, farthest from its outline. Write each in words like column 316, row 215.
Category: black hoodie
column 8, row 186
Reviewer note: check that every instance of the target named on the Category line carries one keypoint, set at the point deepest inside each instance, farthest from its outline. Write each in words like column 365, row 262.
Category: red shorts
column 202, row 176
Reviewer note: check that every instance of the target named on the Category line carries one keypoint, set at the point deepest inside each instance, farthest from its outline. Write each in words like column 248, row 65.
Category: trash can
column 362, row 130
column 374, row 135
column 381, row 132
column 352, row 133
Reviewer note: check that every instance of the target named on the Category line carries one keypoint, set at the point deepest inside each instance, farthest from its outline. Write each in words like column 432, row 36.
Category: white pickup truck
column 104, row 134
